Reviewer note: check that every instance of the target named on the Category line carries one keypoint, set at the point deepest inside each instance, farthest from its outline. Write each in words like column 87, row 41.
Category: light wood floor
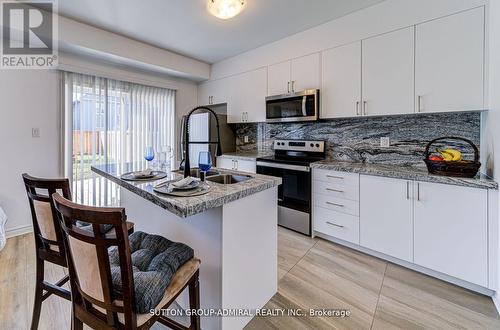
column 313, row 274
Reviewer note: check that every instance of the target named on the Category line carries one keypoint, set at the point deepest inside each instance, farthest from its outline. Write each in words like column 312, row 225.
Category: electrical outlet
column 246, row 138
column 35, row 132
column 384, row 142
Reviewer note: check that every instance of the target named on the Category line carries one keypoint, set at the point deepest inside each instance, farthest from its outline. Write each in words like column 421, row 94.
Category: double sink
column 218, row 177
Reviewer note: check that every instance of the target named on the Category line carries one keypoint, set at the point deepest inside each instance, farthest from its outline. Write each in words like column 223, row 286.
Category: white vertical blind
column 112, row 123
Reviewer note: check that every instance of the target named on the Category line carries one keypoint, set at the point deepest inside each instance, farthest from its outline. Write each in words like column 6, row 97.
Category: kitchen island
column 232, row 229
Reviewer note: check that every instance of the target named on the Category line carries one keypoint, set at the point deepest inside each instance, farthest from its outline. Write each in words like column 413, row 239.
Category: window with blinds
column 111, row 122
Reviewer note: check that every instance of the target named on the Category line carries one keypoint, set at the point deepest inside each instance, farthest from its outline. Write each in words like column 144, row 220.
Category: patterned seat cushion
column 155, row 260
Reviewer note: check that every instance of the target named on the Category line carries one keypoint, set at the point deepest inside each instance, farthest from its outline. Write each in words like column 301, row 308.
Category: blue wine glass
column 149, row 155
column 205, row 160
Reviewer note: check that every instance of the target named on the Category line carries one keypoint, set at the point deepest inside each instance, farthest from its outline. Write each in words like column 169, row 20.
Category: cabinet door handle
column 236, row 162
column 288, row 87
column 419, row 103
column 334, row 224
column 407, row 189
column 418, row 191
column 334, row 190
column 357, row 108
column 293, row 90
column 334, row 204
column 334, row 177
column 364, row 107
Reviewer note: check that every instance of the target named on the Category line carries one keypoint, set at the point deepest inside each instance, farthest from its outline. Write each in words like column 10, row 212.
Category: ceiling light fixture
column 225, row 9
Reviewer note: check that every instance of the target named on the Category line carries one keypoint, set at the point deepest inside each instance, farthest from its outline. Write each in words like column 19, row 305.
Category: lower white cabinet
column 451, row 230
column 440, row 227
column 336, row 224
column 386, row 216
column 237, row 164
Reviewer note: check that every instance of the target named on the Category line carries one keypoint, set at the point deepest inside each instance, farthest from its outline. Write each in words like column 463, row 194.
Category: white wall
column 30, row 98
column 381, row 18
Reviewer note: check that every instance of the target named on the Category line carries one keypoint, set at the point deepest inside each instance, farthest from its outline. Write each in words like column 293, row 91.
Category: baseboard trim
column 21, row 230
column 496, row 301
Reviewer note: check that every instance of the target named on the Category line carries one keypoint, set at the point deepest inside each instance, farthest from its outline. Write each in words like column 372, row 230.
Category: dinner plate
column 132, row 176
column 190, row 186
column 164, row 189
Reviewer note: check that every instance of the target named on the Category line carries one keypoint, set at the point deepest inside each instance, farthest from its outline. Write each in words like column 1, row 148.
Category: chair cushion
column 155, row 260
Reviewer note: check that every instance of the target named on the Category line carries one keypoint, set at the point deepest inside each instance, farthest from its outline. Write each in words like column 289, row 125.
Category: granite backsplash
column 358, row 139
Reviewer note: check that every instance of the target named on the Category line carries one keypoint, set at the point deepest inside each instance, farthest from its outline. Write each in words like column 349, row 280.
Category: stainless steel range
column 291, row 162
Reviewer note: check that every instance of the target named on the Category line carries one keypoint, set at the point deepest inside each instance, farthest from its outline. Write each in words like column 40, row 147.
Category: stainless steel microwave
column 300, row 106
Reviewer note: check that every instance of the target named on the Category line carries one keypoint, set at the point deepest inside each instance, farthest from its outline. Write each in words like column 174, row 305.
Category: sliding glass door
column 111, row 122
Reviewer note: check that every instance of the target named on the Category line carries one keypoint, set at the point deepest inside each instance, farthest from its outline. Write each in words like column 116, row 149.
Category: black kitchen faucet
column 187, row 166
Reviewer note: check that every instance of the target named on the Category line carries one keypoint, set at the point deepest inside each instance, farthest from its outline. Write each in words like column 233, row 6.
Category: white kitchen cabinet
column 278, row 78
column 294, row 75
column 388, row 73
column 341, row 81
column 247, row 97
column 214, row 92
column 237, row 164
column 225, row 162
column 386, row 216
column 336, row 224
column 305, row 73
column 451, row 230
column 246, row 165
column 449, row 58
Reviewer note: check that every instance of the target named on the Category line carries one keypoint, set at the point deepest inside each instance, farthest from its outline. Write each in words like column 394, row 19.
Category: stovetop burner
column 296, row 152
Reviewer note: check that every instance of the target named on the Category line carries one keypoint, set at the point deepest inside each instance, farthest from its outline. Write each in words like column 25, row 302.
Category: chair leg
column 194, row 301
column 37, row 306
column 76, row 323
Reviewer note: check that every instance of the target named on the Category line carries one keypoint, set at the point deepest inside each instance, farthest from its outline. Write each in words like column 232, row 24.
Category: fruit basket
column 450, row 167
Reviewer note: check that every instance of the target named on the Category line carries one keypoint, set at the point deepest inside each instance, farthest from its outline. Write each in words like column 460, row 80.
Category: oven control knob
column 317, row 145
column 312, row 145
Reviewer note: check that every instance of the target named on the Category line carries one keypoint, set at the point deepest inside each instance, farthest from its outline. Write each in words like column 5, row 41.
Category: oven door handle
column 285, row 166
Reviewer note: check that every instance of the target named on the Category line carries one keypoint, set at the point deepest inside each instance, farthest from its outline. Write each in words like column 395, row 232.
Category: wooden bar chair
column 49, row 245
column 117, row 279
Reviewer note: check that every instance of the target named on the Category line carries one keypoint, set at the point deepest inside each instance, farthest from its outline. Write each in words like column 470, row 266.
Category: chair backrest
column 46, row 224
column 88, row 260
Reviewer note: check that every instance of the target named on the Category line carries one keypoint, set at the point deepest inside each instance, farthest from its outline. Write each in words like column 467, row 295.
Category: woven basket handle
column 476, row 151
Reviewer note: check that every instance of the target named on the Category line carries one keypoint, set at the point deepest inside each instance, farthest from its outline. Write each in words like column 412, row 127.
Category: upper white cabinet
column 451, row 230
column 278, row 78
column 247, row 94
column 341, row 81
column 386, row 219
column 435, row 66
column 388, row 73
column 213, row 92
column 449, row 63
column 305, row 73
column 294, row 75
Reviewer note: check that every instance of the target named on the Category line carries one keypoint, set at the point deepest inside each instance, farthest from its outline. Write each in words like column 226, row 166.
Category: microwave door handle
column 304, row 112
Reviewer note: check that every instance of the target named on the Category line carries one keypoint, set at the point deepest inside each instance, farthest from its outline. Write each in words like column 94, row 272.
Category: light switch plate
column 246, row 138
column 35, row 132
column 385, row 142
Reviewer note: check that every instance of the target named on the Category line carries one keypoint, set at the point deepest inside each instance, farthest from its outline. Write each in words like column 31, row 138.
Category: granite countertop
column 219, row 195
column 247, row 155
column 405, row 172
